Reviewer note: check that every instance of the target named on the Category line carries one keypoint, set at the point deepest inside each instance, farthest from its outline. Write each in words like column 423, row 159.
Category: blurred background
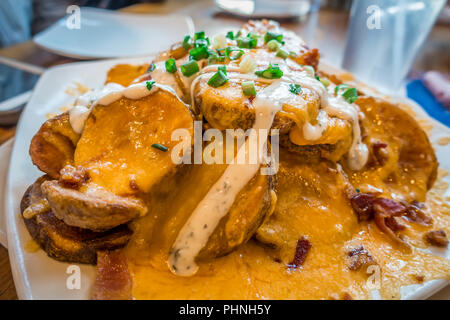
column 400, row 46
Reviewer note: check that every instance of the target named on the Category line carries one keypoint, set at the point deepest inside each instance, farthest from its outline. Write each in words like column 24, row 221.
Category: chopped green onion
column 160, row 147
column 292, row 54
column 230, row 35
column 325, row 82
column 272, row 72
column 273, row 45
column 219, row 41
column 273, row 36
column 199, row 35
column 189, row 68
column 295, row 88
column 171, row 65
column 310, row 70
column 218, row 79
column 247, row 43
column 199, row 53
column 150, row 84
column 283, row 54
column 214, row 57
column 223, row 69
column 357, row 190
column 151, row 67
column 187, row 42
column 247, row 64
column 201, row 43
column 341, row 86
column 229, row 53
column 350, row 95
column 253, row 36
column 248, row 88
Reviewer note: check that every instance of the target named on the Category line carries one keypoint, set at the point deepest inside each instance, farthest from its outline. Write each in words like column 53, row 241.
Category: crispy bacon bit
column 347, row 296
column 360, row 257
column 310, row 58
column 113, row 280
column 362, row 204
column 419, row 278
column 74, row 178
column 380, row 155
column 437, row 238
column 415, row 213
column 385, row 211
column 303, row 246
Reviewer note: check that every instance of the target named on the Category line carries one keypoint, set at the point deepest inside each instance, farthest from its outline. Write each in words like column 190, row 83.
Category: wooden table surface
column 326, row 30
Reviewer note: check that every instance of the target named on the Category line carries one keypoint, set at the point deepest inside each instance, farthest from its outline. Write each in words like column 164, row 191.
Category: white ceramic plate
column 5, row 154
column 35, row 275
column 113, row 34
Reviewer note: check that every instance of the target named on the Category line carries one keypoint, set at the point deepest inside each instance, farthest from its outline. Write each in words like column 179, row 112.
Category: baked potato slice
column 227, row 108
column 174, row 203
column 63, row 242
column 52, row 147
column 91, row 208
column 312, row 204
column 120, row 163
column 401, row 160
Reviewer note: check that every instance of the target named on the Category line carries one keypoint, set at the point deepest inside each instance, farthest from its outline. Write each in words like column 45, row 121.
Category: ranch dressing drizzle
column 215, row 205
column 332, row 106
column 110, row 93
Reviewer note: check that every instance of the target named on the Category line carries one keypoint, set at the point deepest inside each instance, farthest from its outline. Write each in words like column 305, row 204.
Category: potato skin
column 250, row 208
column 95, row 210
column 53, row 146
column 65, row 243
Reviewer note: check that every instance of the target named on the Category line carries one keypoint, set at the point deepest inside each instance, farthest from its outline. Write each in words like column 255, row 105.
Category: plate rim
column 20, row 276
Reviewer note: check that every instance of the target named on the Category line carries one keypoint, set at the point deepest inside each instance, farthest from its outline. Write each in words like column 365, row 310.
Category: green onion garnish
column 218, row 79
column 230, row 35
column 233, row 56
column 199, row 53
column 150, row 84
column 171, row 65
column 325, row 82
column 273, row 36
column 160, row 147
column 292, row 54
column 201, row 43
column 199, row 35
column 187, row 42
column 273, row 45
column 357, row 190
column 214, row 57
column 283, row 54
column 151, row 67
column 272, row 72
column 189, row 68
column 247, row 43
column 253, row 35
column 350, row 95
column 310, row 70
column 295, row 88
column 341, row 86
column 248, row 88
column 223, row 69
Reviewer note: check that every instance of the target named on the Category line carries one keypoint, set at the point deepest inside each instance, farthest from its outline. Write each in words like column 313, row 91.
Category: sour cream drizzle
column 215, row 205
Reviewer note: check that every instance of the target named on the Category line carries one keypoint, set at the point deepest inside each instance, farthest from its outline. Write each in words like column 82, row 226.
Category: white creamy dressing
column 215, row 205
column 110, row 93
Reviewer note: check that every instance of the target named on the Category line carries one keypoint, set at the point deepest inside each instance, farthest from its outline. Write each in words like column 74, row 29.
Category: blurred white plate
column 112, row 34
column 37, row 276
column 5, row 155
